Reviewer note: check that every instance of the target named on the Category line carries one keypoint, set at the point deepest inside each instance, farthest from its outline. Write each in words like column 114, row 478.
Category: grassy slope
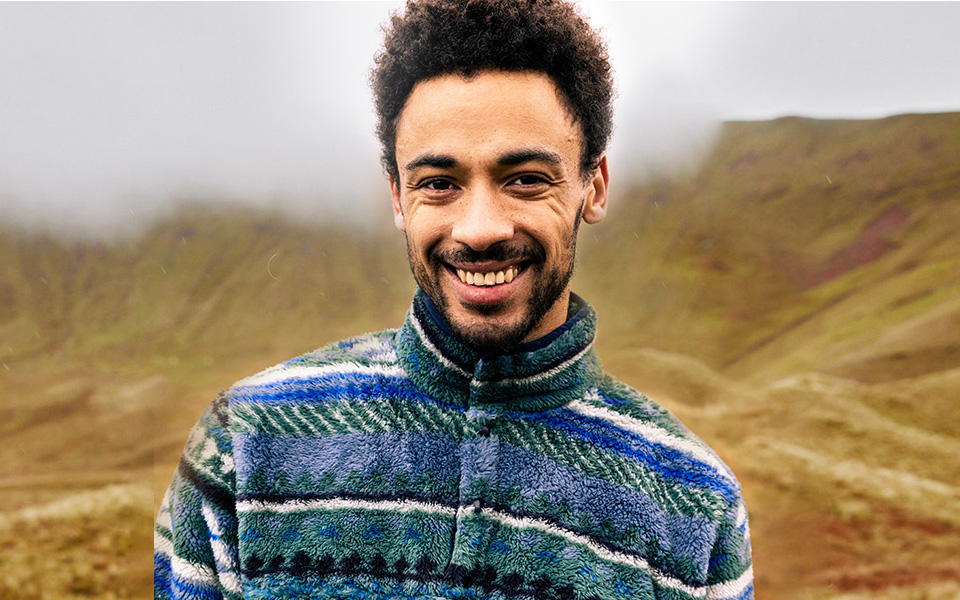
column 794, row 301
column 799, row 245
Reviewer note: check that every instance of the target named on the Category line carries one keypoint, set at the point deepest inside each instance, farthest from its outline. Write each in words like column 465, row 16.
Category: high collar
column 538, row 375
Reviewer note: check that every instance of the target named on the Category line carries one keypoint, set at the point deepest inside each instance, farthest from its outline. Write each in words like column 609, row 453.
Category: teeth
column 484, row 279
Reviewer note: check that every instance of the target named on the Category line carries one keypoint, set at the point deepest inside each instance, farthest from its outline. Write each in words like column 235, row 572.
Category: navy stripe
column 214, row 492
column 162, row 577
column 609, row 443
column 338, row 386
column 664, row 453
column 429, row 318
column 194, row 591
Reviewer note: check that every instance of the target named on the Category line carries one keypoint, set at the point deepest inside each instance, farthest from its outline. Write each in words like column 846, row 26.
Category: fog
column 112, row 114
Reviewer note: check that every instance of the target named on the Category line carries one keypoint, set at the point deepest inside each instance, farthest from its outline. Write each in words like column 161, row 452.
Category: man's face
column 489, row 195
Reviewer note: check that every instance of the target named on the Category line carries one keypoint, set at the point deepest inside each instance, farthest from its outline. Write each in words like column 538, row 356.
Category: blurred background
column 184, row 186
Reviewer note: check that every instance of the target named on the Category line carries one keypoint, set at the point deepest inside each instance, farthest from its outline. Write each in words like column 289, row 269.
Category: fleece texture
column 403, row 464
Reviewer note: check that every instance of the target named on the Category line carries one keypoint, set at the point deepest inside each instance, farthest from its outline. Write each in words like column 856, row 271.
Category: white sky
column 109, row 111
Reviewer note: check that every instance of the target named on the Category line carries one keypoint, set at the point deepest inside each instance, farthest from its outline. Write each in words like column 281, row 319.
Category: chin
column 490, row 333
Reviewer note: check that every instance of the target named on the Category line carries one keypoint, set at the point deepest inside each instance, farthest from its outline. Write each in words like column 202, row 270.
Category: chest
column 420, row 500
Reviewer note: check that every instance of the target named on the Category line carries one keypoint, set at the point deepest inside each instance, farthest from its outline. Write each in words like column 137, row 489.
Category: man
column 478, row 451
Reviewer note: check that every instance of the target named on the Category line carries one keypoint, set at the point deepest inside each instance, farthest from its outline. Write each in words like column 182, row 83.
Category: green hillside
column 795, row 300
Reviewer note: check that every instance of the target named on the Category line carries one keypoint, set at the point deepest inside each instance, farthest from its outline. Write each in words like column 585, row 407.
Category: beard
column 493, row 336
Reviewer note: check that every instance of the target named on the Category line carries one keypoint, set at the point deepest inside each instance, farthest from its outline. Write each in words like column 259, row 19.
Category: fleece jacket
column 404, row 464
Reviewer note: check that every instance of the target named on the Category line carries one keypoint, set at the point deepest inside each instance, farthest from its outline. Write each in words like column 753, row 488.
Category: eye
column 528, row 180
column 437, row 185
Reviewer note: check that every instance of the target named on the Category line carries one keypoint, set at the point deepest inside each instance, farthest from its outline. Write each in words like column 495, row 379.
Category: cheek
column 552, row 230
column 423, row 233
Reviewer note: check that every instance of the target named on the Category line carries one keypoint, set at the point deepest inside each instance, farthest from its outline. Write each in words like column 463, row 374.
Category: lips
column 488, row 277
column 471, row 285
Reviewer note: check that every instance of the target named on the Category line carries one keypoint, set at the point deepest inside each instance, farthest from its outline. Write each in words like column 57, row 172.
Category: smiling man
column 478, row 451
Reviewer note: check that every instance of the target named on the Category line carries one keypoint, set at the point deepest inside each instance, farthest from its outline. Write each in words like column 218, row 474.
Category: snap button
column 485, row 432
column 476, row 506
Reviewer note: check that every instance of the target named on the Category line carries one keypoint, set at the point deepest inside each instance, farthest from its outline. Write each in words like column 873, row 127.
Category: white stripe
column 402, row 506
column 211, row 520
column 221, row 551
column 363, row 418
column 386, row 356
column 741, row 514
column 433, row 349
column 196, row 574
column 266, row 418
column 367, row 344
column 296, row 427
column 319, row 417
column 731, row 589
column 598, row 550
column 650, row 432
column 538, row 376
column 306, row 421
column 335, row 413
column 231, row 582
column 287, row 373
column 162, row 544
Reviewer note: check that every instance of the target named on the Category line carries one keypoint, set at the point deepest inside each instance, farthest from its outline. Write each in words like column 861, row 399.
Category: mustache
column 499, row 252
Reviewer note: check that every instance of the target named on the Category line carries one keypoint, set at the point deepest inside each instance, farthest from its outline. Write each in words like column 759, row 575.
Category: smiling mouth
column 488, row 278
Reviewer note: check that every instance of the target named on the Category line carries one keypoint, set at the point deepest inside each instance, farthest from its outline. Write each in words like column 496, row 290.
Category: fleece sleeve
column 730, row 576
column 195, row 552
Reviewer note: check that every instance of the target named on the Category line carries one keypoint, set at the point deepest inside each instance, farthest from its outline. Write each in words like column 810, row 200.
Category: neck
column 539, row 374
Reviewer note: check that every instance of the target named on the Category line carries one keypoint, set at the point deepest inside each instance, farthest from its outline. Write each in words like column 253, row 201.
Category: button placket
column 479, row 456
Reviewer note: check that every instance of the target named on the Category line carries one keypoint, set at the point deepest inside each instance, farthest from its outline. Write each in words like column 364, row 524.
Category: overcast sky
column 110, row 111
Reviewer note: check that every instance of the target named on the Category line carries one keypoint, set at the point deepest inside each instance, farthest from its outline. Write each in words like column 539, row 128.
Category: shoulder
column 370, row 353
column 659, row 430
column 273, row 399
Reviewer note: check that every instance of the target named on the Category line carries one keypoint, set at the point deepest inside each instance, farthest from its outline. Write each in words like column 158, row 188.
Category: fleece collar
column 534, row 376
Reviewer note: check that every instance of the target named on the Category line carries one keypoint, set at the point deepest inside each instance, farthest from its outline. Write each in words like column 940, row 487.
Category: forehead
column 490, row 112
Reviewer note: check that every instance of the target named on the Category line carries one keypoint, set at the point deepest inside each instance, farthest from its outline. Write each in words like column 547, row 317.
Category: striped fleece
column 402, row 464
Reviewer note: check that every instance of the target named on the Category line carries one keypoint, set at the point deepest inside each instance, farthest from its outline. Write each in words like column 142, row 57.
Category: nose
column 483, row 220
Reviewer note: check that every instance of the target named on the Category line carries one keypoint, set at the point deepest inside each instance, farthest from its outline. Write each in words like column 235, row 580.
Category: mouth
column 484, row 277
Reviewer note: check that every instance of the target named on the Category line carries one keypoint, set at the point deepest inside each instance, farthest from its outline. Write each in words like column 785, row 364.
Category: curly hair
column 441, row 37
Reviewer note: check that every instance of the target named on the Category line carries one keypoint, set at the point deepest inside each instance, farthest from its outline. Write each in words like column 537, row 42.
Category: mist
column 113, row 115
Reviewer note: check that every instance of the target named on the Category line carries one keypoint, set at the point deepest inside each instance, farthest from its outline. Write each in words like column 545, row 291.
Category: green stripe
column 374, row 416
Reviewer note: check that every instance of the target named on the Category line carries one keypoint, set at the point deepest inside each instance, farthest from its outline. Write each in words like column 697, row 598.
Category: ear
column 397, row 209
column 595, row 194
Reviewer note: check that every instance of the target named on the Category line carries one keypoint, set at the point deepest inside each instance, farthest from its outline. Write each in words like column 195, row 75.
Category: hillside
column 795, row 300
column 798, row 245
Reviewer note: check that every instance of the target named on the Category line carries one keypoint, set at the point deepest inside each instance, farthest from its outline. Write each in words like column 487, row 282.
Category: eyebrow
column 440, row 161
column 518, row 157
column 521, row 156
